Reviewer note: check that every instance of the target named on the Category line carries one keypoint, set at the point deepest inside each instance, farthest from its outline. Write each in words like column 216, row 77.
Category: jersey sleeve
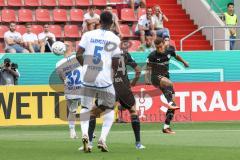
column 83, row 41
column 116, row 52
column 130, row 61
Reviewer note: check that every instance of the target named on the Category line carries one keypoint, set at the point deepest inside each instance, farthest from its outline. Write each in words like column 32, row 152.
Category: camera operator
column 8, row 73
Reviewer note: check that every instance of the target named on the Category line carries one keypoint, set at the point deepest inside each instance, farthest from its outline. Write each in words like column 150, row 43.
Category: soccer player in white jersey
column 97, row 53
column 69, row 71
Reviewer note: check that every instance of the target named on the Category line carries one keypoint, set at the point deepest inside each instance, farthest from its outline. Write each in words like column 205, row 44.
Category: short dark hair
column 92, row 7
column 230, row 4
column 158, row 41
column 106, row 18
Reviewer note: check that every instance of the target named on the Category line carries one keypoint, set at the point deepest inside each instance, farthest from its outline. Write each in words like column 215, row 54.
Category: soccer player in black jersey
column 158, row 61
column 124, row 96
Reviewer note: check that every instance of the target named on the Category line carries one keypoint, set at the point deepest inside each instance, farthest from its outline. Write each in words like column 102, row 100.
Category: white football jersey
column 70, row 70
column 100, row 47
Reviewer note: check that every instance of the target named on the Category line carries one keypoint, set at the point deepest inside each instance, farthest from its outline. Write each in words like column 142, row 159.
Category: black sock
column 136, row 127
column 92, row 125
column 169, row 116
column 168, row 93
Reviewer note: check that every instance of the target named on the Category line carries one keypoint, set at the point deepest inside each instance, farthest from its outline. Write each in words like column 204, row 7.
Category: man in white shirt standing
column 46, row 39
column 13, row 40
column 31, row 40
column 97, row 53
column 145, row 26
column 91, row 20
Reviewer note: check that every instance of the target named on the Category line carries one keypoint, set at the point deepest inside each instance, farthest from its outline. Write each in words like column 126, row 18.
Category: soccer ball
column 59, row 48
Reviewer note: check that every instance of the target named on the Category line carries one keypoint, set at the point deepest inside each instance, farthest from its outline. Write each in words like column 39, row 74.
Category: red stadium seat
column 37, row 29
column 76, row 15
column 116, row 1
column 141, row 11
column 65, row 2
column 3, row 29
column 8, row 15
column 125, row 30
column 49, row 3
column 43, row 15
column 32, row 3
column 127, row 14
column 85, row 3
column 25, row 15
column 21, row 29
column 2, row 46
column 59, row 15
column 134, row 45
column 14, row 3
column 2, row 3
column 99, row 2
column 172, row 42
column 71, row 31
column 56, row 30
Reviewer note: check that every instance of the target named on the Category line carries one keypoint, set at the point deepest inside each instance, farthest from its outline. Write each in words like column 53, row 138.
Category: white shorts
column 105, row 96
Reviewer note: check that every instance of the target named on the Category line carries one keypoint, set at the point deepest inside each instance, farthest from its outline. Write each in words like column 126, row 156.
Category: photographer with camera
column 8, row 73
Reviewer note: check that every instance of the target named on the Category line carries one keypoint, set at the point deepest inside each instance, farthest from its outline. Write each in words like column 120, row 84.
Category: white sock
column 71, row 120
column 166, row 126
column 108, row 119
column 84, row 120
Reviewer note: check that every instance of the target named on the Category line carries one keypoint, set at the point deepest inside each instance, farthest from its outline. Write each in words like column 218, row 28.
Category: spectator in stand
column 137, row 3
column 91, row 20
column 13, row 40
column 46, row 39
column 231, row 20
column 145, row 26
column 159, row 17
column 31, row 40
column 148, row 46
column 115, row 26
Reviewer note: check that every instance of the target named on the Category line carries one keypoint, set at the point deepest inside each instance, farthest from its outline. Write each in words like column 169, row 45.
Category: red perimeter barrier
column 215, row 101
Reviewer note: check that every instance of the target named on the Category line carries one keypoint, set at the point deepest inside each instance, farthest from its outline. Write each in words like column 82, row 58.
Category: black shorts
column 124, row 96
column 156, row 79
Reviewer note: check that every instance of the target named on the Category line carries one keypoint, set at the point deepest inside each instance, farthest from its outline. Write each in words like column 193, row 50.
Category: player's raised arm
column 81, row 49
column 180, row 59
column 131, row 62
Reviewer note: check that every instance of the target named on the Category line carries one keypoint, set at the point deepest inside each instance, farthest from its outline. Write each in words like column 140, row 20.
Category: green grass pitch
column 193, row 141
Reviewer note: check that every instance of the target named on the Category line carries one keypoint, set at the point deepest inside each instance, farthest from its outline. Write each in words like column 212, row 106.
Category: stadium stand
column 56, row 30
column 8, row 15
column 3, row 29
column 76, row 15
column 21, row 29
column 25, row 15
column 65, row 3
column 82, row 3
column 37, row 29
column 32, row 3
column 43, row 15
column 181, row 25
column 14, row 3
column 69, row 13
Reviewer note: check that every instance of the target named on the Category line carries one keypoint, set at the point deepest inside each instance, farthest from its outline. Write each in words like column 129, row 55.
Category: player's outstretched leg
column 136, row 127
column 108, row 119
column 167, row 89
